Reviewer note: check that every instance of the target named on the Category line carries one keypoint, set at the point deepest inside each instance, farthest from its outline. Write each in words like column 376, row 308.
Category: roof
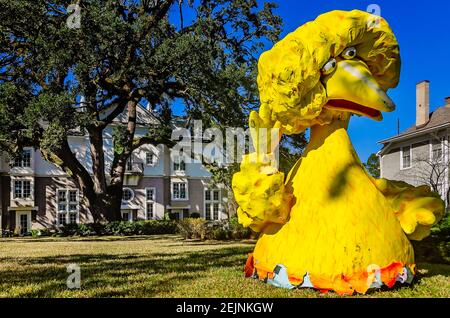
column 145, row 117
column 440, row 118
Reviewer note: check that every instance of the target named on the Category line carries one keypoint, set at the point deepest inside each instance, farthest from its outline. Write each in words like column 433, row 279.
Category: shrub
column 35, row 233
column 238, row 232
column 119, row 228
column 220, row 234
column 213, row 230
column 436, row 247
column 159, row 227
column 7, row 233
column 192, row 228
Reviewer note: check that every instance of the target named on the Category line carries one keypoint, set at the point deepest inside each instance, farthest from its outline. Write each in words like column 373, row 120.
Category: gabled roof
column 439, row 119
column 145, row 117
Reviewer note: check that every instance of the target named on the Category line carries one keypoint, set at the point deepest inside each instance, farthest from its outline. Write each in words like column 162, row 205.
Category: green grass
column 158, row 266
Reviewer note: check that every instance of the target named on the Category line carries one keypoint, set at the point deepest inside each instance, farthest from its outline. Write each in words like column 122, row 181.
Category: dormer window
column 149, row 158
column 179, row 164
column 23, row 161
column 129, row 165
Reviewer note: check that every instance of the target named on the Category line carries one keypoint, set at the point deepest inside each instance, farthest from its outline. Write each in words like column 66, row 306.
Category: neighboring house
column 420, row 155
column 35, row 194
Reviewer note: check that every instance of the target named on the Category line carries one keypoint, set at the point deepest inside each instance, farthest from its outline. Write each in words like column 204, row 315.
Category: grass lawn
column 157, row 266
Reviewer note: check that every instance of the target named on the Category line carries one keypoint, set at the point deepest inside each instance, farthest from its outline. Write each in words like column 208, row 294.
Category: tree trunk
column 115, row 189
column 102, row 200
column 98, row 159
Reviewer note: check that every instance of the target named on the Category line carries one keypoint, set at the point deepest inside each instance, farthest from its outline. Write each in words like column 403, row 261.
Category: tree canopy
column 373, row 165
column 56, row 79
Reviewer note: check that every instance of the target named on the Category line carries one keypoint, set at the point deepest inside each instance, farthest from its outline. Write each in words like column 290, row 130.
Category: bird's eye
column 329, row 67
column 349, row 53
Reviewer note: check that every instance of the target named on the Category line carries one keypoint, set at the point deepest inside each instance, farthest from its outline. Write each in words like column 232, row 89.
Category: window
column 126, row 216
column 212, row 204
column 68, row 203
column 128, row 195
column 149, row 158
column 179, row 191
column 436, row 150
column 22, row 189
column 62, row 219
column 72, row 218
column 216, row 211
column 208, row 211
column 179, row 164
column 405, row 157
column 150, row 203
column 23, row 161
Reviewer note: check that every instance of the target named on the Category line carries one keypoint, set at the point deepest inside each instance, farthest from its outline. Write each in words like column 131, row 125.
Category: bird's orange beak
column 352, row 87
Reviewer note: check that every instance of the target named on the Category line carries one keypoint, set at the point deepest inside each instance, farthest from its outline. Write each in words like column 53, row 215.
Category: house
column 35, row 194
column 420, row 154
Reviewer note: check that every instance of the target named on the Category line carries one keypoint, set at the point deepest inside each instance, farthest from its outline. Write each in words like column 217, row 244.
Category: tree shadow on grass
column 194, row 242
column 433, row 270
column 107, row 275
column 156, row 237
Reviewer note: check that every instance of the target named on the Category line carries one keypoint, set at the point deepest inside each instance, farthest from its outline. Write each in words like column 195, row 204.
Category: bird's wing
column 417, row 208
column 261, row 193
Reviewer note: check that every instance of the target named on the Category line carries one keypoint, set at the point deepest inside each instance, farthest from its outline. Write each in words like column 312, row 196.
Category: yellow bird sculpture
column 328, row 224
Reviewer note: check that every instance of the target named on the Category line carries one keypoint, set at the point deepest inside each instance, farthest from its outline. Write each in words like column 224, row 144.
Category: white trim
column 410, row 158
column 186, row 182
column 130, row 214
column 413, row 134
column 28, row 214
column 170, row 207
column 13, row 190
column 32, row 155
column 431, row 149
column 446, row 162
column 153, row 201
column 380, row 159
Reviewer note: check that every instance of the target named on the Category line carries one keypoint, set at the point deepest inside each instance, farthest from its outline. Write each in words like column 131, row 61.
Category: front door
column 24, row 222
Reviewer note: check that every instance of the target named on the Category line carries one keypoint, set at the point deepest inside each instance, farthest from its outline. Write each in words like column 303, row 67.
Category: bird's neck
column 319, row 133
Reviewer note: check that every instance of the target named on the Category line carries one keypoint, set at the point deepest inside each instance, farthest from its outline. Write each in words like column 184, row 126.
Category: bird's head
column 341, row 62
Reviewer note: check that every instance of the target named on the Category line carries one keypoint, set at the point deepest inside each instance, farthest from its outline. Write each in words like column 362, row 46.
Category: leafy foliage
column 213, row 230
column 118, row 228
column 124, row 53
column 373, row 165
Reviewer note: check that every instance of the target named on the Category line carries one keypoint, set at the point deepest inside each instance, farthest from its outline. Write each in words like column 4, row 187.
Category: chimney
column 447, row 101
column 422, row 103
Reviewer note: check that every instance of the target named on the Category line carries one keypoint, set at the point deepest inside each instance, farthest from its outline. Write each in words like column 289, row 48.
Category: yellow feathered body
column 341, row 226
column 329, row 224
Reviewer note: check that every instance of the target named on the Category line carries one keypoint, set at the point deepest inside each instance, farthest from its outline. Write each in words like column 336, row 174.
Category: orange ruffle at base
column 341, row 284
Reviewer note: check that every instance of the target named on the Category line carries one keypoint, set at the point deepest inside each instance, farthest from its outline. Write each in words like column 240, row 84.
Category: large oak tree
column 124, row 52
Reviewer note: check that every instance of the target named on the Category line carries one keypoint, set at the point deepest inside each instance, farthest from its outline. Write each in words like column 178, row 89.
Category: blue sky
column 423, row 31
